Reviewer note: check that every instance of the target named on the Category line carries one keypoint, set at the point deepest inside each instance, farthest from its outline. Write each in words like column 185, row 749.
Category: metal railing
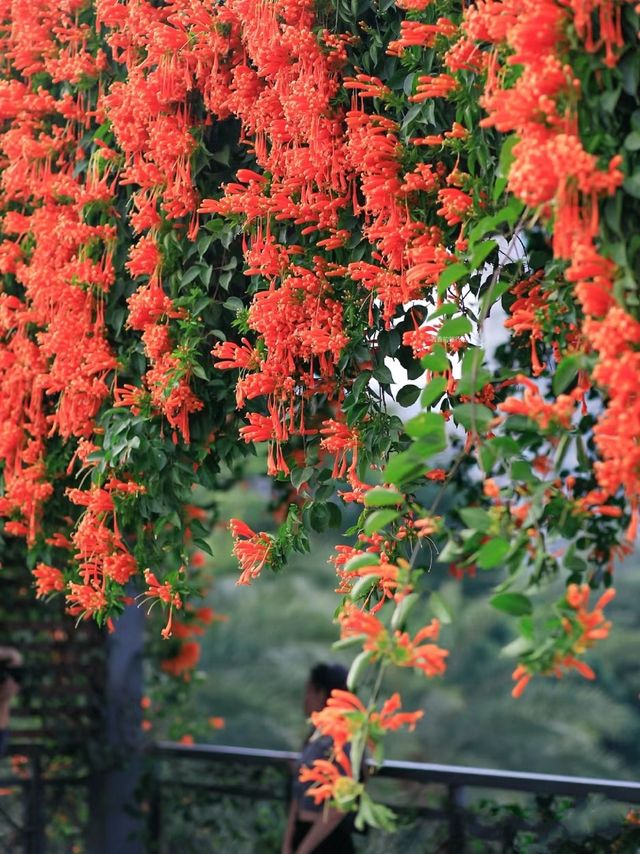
column 210, row 798
column 413, row 780
column 22, row 810
column 37, row 806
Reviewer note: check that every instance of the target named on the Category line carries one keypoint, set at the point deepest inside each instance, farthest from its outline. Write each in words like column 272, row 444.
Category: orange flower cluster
column 345, row 715
column 104, row 560
column 186, row 654
column 331, row 781
column 318, row 166
column 534, row 406
column 396, row 647
column 554, row 173
column 591, row 625
column 252, row 550
column 52, row 338
column 167, row 53
column 582, row 628
column 344, row 718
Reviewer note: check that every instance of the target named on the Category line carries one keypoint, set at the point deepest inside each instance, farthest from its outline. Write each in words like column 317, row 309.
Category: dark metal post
column 116, row 826
column 154, row 824
column 455, row 812
column 34, row 818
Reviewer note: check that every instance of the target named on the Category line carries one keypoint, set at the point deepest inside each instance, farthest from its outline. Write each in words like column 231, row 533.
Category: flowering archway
column 237, row 224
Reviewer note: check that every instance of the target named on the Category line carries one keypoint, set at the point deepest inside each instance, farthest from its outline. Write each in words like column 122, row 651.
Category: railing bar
column 451, row 773
column 459, row 775
column 8, row 820
column 218, row 751
column 238, row 791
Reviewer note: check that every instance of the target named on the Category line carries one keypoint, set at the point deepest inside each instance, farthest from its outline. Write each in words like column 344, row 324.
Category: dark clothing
column 4, row 739
column 338, row 842
column 316, row 747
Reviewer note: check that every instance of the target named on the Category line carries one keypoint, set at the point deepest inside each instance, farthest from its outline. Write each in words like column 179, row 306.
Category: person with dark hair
column 312, row 828
column 10, row 664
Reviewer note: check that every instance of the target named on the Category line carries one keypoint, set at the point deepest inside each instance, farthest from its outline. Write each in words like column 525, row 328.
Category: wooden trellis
column 60, row 707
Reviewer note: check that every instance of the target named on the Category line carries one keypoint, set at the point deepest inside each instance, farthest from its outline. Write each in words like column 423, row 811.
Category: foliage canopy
column 314, row 194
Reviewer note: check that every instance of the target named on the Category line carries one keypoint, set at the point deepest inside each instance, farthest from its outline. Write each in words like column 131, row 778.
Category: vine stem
column 484, row 313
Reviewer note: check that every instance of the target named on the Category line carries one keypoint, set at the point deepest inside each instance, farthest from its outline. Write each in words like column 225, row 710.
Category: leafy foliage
column 315, row 195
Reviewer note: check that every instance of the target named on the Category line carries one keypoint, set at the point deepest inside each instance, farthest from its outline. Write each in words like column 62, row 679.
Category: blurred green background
column 254, row 666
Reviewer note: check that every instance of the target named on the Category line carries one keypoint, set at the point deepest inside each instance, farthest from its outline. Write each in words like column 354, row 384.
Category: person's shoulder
column 317, row 746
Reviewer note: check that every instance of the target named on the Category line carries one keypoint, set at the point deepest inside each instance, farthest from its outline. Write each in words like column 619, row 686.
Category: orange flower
column 391, row 719
column 252, row 550
column 592, row 624
column 48, row 580
column 439, row 86
column 185, row 661
column 331, row 781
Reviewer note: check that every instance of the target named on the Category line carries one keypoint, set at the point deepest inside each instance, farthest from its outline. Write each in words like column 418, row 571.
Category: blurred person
column 10, row 665
column 312, row 828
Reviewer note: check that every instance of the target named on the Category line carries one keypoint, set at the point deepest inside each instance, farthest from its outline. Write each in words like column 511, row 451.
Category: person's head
column 323, row 679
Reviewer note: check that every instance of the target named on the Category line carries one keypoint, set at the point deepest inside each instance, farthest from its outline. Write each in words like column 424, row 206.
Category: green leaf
column 488, row 456
column 519, row 646
column 455, row 327
column 610, row 99
column 404, row 467
column 381, row 497
column 199, row 371
column 566, row 372
column 481, row 253
column 440, row 608
column 374, row 814
column 233, row 303
column 504, row 164
column 300, row 476
column 357, row 669
column 631, row 185
column 495, row 292
column 363, row 586
column 473, row 375
column 358, row 561
column 408, row 395
column 378, row 520
column 425, row 424
column 345, row 643
column 203, row 545
column 335, row 515
column 446, row 309
column 403, row 609
column 486, row 224
column 430, row 445
column 383, row 375
column 359, row 384
column 452, row 273
column 492, row 553
column 632, row 141
column 515, row 604
column 190, row 275
column 473, row 416
column 505, row 446
column 433, row 391
column 476, row 518
column 319, row 516
column 521, row 470
column 436, row 361
column 510, row 212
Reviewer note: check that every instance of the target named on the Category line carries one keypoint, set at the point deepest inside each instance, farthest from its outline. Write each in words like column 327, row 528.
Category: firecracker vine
column 228, row 225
